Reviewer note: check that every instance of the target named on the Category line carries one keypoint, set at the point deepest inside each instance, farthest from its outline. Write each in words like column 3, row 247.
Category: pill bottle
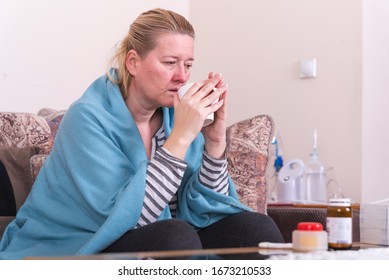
column 339, row 224
column 309, row 237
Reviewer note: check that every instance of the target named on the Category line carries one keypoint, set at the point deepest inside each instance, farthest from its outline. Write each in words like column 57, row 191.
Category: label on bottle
column 339, row 230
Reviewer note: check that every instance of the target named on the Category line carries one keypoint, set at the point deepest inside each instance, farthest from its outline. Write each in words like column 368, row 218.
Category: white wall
column 258, row 44
column 50, row 51
column 375, row 156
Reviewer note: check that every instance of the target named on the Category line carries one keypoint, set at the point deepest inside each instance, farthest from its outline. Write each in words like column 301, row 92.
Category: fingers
column 206, row 88
column 207, row 94
column 221, row 81
column 216, row 95
column 176, row 100
column 223, row 98
column 201, row 89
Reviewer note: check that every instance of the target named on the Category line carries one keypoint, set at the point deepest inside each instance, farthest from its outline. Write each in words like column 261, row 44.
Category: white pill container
column 309, row 237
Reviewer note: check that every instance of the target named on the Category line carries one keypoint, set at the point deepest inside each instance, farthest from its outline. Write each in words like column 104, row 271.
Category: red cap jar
column 309, row 236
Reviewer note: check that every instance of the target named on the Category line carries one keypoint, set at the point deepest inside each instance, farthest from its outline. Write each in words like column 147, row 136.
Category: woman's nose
column 181, row 73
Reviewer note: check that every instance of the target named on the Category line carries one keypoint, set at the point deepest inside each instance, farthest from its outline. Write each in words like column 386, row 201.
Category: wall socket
column 308, row 68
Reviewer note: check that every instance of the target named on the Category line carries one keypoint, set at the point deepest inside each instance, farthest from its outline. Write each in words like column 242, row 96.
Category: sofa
column 26, row 140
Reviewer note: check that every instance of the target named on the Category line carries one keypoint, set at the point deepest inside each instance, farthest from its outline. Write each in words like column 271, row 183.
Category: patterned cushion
column 53, row 118
column 24, row 130
column 36, row 163
column 248, row 145
column 21, row 130
column 54, row 123
column 47, row 113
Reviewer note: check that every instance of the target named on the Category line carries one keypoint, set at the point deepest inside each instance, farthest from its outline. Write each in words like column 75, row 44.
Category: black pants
column 241, row 230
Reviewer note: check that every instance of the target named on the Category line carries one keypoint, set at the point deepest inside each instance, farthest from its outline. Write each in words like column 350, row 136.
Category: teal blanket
column 90, row 190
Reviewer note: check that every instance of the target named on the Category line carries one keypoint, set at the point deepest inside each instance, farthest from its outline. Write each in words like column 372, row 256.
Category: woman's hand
column 215, row 133
column 190, row 112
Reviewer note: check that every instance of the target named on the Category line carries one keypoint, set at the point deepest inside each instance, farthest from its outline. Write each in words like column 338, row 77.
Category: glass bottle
column 339, row 224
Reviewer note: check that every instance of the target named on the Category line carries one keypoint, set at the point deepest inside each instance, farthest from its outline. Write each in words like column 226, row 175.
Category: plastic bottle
column 315, row 176
column 339, row 224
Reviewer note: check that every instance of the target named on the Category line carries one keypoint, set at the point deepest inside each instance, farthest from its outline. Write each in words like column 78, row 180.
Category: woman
column 132, row 169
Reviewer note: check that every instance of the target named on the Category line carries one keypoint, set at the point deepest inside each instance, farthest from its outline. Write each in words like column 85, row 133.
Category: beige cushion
column 17, row 164
column 248, row 145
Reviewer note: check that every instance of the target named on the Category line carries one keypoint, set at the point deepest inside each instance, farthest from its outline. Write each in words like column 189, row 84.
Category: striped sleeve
column 163, row 177
column 214, row 173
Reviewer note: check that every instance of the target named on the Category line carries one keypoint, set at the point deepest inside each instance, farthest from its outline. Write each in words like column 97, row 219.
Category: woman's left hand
column 215, row 133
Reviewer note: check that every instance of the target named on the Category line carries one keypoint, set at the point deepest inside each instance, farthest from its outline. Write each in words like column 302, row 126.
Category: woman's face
column 159, row 75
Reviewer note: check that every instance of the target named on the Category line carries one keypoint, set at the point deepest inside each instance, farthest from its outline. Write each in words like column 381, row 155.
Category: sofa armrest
column 287, row 219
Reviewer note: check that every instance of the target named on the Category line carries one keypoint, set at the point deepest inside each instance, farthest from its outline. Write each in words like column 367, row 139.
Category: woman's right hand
column 190, row 112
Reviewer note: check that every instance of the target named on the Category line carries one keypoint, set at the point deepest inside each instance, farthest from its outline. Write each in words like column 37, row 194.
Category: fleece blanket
column 91, row 188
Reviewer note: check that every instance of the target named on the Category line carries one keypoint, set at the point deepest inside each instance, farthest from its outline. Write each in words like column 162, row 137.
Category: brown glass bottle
column 339, row 224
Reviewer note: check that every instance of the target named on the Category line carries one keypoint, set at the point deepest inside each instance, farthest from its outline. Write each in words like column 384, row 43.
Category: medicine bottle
column 339, row 224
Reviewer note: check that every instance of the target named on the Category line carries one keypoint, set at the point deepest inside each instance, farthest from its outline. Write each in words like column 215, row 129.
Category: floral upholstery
column 23, row 130
column 248, row 145
column 48, row 113
column 53, row 118
column 36, row 163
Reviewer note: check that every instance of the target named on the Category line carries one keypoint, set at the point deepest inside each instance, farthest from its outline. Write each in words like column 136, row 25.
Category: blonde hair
column 142, row 37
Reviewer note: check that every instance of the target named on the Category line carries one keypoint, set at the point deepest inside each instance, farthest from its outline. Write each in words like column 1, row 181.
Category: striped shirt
column 164, row 176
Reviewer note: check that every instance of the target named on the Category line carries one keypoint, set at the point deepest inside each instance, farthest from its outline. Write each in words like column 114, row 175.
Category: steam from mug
column 183, row 90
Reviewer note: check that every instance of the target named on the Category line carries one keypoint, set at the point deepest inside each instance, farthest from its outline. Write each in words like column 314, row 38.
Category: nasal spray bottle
column 315, row 176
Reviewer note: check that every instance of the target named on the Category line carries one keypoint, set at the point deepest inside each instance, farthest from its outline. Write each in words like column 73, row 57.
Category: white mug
column 184, row 89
